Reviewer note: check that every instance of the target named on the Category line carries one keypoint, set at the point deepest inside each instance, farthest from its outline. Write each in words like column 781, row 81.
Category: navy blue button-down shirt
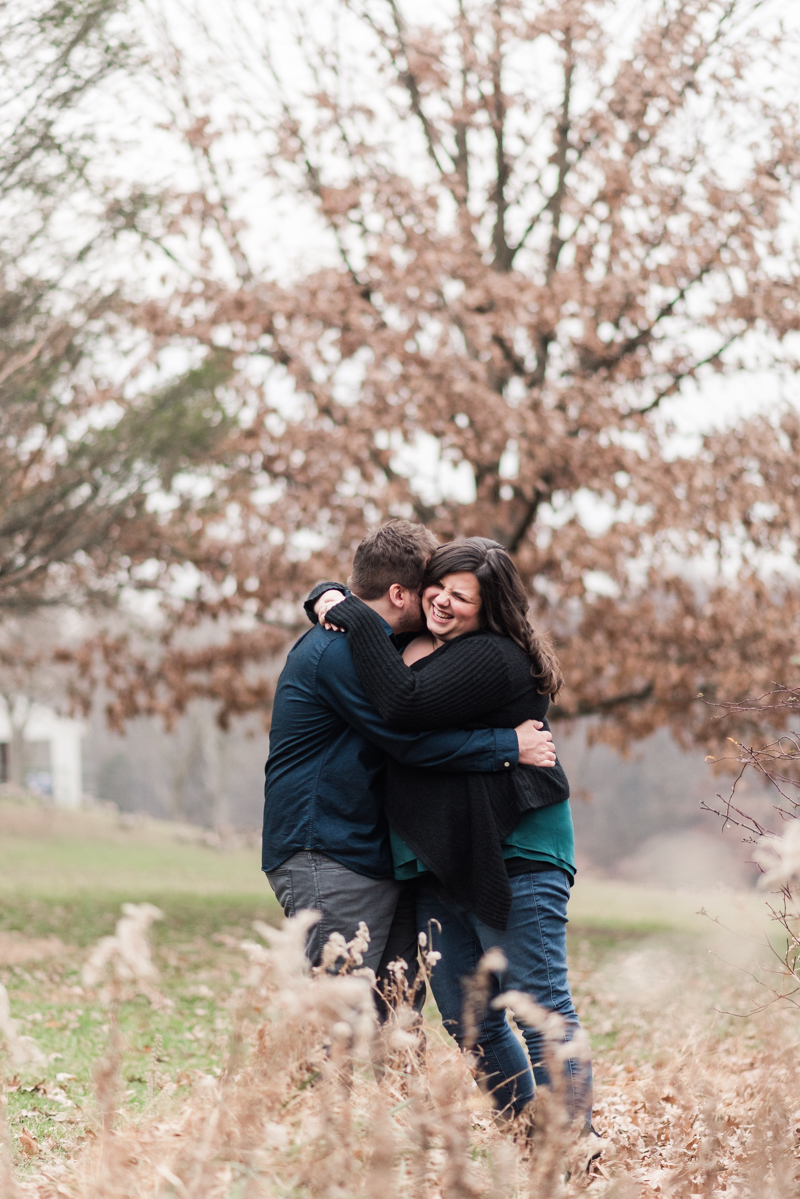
column 327, row 748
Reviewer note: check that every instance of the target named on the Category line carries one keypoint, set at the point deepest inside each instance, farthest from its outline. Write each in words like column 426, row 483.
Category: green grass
column 58, row 868
column 622, row 907
column 49, row 853
column 81, row 919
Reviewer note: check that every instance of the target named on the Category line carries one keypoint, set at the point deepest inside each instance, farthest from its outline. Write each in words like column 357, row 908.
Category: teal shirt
column 544, row 835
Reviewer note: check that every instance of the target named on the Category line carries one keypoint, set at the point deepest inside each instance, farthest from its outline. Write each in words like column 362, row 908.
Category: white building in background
column 55, row 745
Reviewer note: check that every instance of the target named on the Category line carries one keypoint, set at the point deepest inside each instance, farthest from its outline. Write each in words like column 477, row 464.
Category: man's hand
column 535, row 745
column 321, row 607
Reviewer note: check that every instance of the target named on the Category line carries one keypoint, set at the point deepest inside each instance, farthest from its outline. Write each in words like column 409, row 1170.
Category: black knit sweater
column 455, row 822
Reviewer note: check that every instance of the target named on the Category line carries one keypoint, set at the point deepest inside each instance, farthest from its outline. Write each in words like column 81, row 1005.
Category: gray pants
column 313, row 880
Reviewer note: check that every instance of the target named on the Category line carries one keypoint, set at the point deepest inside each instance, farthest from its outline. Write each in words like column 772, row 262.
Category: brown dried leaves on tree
column 539, row 225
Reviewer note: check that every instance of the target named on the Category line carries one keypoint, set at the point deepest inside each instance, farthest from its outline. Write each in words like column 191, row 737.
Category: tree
column 82, row 448
column 539, row 224
column 107, row 466
column 53, row 54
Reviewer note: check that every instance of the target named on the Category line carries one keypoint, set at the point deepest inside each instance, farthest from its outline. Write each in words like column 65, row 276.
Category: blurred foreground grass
column 64, row 875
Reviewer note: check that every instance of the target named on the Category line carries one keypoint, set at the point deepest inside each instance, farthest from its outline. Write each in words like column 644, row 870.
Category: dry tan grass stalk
column 22, row 1050
column 8, row 1187
column 126, row 957
column 317, row 1102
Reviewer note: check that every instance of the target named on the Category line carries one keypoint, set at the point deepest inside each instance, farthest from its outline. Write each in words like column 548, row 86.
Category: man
column 325, row 840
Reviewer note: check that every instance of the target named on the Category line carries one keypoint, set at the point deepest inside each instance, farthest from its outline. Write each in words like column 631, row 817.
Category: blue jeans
column 535, row 946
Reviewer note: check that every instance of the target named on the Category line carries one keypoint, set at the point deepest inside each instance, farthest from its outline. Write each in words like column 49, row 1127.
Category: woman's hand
column 323, row 605
column 535, row 744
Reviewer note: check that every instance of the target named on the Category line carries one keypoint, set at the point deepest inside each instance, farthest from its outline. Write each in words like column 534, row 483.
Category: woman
column 493, row 854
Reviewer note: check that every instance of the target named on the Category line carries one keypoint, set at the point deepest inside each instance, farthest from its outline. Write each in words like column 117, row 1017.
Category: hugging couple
column 412, row 783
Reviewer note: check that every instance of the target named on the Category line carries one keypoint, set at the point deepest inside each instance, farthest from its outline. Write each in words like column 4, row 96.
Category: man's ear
column 397, row 595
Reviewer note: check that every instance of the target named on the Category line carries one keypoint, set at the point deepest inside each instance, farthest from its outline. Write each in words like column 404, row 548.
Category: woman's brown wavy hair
column 504, row 607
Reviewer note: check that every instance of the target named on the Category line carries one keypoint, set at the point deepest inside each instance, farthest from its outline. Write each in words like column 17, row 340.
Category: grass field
column 48, row 852
column 54, row 856
column 636, row 955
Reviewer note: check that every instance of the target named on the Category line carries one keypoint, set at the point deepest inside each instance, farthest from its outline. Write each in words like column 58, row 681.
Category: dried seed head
column 333, row 949
column 779, row 857
column 494, row 961
column 22, row 1050
column 126, row 955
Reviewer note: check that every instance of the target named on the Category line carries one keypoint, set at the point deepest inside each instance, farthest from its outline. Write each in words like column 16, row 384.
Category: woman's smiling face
column 452, row 606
